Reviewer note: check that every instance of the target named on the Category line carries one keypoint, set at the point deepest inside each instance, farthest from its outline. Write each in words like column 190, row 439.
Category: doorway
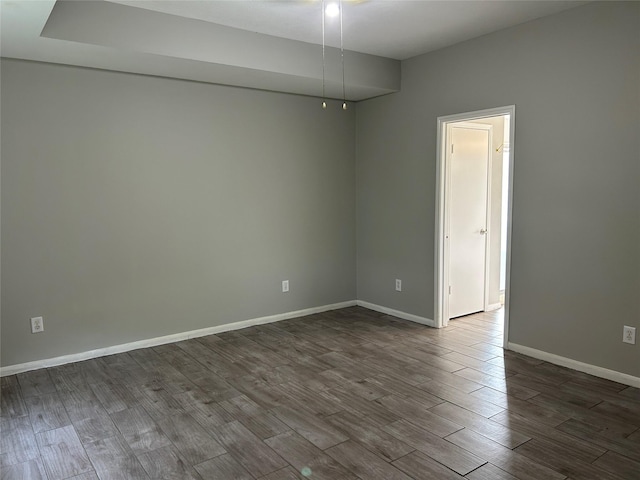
column 473, row 214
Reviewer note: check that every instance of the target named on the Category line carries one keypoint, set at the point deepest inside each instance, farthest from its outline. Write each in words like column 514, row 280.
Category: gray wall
column 135, row 207
column 574, row 78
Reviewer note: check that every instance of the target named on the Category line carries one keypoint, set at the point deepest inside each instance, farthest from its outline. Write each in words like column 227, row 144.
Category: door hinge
column 452, row 148
column 449, row 289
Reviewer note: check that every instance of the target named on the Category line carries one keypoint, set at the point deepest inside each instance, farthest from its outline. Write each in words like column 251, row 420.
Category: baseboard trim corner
column 397, row 313
column 594, row 370
column 177, row 337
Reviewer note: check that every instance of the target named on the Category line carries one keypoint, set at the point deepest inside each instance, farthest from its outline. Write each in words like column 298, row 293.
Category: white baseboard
column 397, row 313
column 576, row 365
column 493, row 306
column 152, row 342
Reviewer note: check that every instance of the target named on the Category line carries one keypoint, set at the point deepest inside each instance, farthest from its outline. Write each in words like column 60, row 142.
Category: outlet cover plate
column 37, row 324
column 398, row 285
column 629, row 335
column 285, row 286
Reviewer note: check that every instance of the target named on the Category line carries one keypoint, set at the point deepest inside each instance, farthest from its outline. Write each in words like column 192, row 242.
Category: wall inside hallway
column 495, row 206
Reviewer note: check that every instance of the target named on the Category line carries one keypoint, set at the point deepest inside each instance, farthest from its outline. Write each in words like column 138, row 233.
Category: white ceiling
column 271, row 45
column 397, row 29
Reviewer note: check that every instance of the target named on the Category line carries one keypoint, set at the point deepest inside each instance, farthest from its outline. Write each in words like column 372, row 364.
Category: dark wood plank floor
column 346, row 394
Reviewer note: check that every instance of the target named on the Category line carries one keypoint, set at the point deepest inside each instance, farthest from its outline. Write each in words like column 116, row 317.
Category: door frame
column 447, row 213
column 441, row 310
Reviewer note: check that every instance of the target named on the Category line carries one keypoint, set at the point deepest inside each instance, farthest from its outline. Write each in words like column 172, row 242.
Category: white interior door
column 467, row 208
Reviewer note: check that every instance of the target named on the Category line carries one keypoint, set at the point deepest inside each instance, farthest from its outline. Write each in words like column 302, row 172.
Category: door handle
column 482, row 231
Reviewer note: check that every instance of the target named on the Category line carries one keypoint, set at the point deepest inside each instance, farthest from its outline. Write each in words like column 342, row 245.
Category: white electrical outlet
column 398, row 285
column 285, row 286
column 629, row 335
column 37, row 325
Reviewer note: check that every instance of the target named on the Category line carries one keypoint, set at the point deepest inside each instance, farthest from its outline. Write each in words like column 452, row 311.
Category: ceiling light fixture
column 324, row 99
column 332, row 10
column 344, row 96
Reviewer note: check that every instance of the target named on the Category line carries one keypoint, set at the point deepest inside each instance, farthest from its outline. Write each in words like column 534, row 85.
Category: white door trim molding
column 441, row 314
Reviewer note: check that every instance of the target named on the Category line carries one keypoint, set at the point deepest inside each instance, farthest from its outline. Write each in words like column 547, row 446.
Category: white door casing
column 441, row 273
